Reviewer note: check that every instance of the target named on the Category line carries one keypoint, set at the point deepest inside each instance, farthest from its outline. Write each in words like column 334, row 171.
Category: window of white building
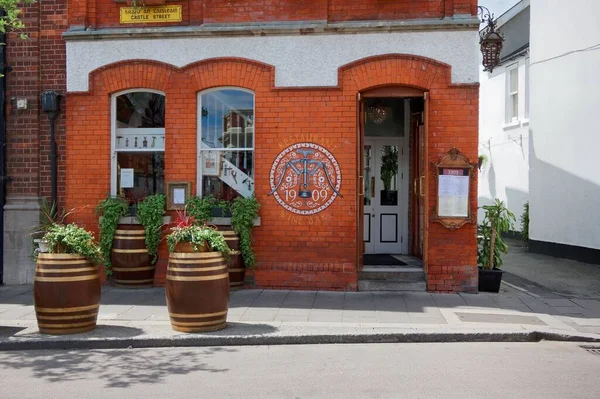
column 138, row 143
column 226, row 143
column 512, row 93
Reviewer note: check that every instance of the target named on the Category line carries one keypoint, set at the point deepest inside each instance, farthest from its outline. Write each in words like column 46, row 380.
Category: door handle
column 421, row 191
column 372, row 215
column 415, row 192
column 372, row 187
column 362, row 186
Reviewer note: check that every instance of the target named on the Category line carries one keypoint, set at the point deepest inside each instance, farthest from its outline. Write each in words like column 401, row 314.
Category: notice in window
column 453, row 193
column 126, row 178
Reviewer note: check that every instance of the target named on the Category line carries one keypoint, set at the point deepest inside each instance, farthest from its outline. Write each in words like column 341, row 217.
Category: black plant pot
column 489, row 280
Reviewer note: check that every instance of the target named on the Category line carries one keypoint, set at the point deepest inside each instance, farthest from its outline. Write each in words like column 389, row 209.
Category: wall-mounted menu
column 453, row 192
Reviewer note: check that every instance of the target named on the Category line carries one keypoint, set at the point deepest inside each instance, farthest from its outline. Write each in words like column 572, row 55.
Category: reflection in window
column 139, row 144
column 227, row 143
column 388, row 174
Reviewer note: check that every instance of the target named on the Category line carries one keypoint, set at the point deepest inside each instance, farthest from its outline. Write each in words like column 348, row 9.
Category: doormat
column 379, row 259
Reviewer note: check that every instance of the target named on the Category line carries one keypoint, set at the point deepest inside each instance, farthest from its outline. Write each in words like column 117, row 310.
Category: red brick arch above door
column 394, row 69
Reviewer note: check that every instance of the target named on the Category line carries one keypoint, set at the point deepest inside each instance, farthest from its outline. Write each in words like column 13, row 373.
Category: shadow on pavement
column 120, row 368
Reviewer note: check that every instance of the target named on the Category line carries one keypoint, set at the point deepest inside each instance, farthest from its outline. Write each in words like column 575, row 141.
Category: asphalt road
column 452, row 370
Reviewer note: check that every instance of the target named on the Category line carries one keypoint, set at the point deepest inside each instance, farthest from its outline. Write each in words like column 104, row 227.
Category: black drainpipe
column 3, row 177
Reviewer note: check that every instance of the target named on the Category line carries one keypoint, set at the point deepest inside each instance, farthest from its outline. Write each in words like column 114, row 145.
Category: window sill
column 227, row 221
column 525, row 122
column 511, row 125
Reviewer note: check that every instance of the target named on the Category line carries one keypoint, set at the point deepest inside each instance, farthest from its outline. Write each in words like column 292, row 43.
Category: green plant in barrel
column 72, row 239
column 111, row 209
column 497, row 220
column 150, row 212
column 187, row 230
column 243, row 213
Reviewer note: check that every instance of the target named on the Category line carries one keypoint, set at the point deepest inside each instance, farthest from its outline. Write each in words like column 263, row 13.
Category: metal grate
column 594, row 350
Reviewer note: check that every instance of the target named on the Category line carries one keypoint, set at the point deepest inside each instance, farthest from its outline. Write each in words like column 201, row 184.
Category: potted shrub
column 497, row 220
column 197, row 281
column 130, row 244
column 67, row 283
column 525, row 224
column 242, row 212
column 481, row 161
column 49, row 215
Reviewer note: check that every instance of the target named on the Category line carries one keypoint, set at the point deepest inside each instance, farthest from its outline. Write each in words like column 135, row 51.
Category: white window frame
column 527, row 86
column 199, row 149
column 113, row 133
column 510, row 96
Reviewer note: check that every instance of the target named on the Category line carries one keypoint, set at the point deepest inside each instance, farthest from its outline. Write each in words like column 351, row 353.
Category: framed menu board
column 453, row 180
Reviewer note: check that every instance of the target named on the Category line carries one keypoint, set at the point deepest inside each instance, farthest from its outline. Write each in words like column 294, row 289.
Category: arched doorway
column 391, row 215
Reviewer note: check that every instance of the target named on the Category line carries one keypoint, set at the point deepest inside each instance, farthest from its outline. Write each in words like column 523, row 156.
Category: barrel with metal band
column 197, row 290
column 66, row 292
column 130, row 259
column 237, row 269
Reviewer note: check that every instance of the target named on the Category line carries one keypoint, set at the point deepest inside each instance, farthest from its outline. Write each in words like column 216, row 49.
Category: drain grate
column 594, row 350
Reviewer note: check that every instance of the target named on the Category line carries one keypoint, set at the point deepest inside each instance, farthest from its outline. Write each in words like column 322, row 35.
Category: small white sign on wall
column 126, row 178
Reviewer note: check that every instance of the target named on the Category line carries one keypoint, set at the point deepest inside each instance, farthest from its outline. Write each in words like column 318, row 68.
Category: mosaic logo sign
column 305, row 178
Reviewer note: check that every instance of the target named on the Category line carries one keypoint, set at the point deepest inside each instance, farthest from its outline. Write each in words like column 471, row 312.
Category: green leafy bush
column 150, row 212
column 187, row 229
column 243, row 213
column 497, row 220
column 72, row 239
column 111, row 209
column 525, row 223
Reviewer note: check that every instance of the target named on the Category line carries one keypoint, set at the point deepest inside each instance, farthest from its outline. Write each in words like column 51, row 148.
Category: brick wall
column 293, row 251
column 105, row 13
column 38, row 64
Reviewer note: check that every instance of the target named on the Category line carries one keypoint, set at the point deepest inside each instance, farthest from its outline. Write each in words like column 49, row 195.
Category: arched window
column 138, row 143
column 226, row 143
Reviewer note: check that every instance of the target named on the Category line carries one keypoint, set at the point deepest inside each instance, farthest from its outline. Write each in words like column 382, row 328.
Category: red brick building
column 330, row 112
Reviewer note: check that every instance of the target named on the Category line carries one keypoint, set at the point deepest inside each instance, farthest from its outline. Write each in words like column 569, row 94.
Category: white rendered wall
column 300, row 60
column 506, row 173
column 565, row 120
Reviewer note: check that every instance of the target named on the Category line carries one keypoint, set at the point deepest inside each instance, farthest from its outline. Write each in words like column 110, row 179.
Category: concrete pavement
column 139, row 318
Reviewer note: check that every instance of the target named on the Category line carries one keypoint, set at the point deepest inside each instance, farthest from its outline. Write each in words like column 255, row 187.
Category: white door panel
column 386, row 206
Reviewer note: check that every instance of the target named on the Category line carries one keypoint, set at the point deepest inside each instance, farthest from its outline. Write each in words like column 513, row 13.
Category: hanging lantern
column 490, row 41
column 377, row 112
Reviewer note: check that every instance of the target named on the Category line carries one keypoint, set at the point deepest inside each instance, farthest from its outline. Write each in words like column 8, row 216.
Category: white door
column 386, row 206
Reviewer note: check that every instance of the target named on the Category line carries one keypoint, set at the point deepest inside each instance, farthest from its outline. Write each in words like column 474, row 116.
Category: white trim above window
column 512, row 94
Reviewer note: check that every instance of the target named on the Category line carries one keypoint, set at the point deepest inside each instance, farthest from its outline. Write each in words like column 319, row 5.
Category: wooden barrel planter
column 130, row 259
column 66, row 293
column 197, row 290
column 237, row 269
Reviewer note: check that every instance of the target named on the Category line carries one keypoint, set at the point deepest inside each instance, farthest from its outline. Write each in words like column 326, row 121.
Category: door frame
column 385, row 91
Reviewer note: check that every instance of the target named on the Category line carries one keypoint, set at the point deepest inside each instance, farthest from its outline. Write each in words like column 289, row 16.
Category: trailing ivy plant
column 111, row 209
column 150, row 213
column 497, row 220
column 525, row 223
column 72, row 239
column 243, row 213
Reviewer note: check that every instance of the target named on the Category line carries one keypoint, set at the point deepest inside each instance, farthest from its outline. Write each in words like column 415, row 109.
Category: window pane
column 148, row 174
column 514, row 80
column 388, row 175
column 227, row 119
column 515, row 106
column 140, row 110
column 227, row 174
